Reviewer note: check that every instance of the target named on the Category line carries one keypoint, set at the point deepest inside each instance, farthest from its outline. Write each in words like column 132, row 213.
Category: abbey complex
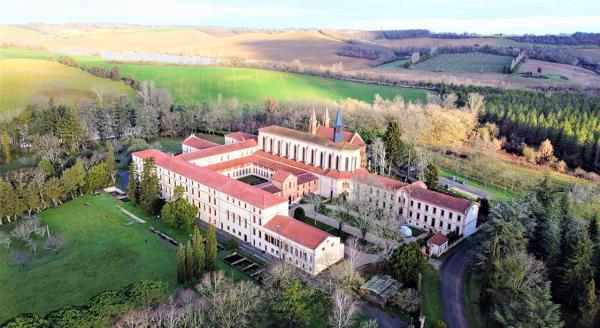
column 325, row 160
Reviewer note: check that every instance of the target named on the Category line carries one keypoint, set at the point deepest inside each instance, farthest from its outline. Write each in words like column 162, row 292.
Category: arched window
column 312, row 156
column 287, row 150
column 303, row 155
column 271, row 146
column 295, row 152
column 279, row 147
column 321, row 160
column 347, row 163
column 329, row 162
column 337, row 163
column 264, row 143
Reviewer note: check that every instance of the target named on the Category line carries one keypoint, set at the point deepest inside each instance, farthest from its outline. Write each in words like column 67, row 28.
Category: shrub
column 232, row 244
column 299, row 214
column 27, row 320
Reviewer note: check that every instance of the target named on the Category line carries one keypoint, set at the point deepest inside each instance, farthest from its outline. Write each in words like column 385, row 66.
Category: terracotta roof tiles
column 439, row 199
column 307, row 137
column 198, row 143
column 220, row 149
column 438, row 239
column 241, row 136
column 297, row 231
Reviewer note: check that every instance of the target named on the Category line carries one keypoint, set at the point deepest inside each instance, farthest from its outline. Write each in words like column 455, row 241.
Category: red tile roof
column 290, row 163
column 241, row 136
column 307, row 137
column 269, row 187
column 237, row 189
column 280, row 175
column 306, row 177
column 353, row 138
column 154, row 153
column 366, row 177
column 442, row 200
column 438, row 239
column 198, row 143
column 297, row 231
column 220, row 149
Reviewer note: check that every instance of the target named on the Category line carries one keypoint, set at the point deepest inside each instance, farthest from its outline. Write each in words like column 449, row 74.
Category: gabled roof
column 198, row 143
column 442, row 200
column 220, row 149
column 353, row 138
column 297, row 231
column 438, row 239
column 307, row 137
column 365, row 176
column 241, row 136
column 234, row 188
column 280, row 175
column 154, row 153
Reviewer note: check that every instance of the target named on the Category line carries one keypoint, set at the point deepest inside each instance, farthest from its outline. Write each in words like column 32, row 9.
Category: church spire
column 338, row 128
column 326, row 120
column 312, row 123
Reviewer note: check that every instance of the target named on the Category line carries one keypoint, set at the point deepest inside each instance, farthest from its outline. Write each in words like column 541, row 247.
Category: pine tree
column 589, row 306
column 198, row 245
column 133, row 184
column 211, row 248
column 430, row 176
column 70, row 128
column 181, row 274
column 149, row 187
column 577, row 270
column 189, row 262
column 393, row 141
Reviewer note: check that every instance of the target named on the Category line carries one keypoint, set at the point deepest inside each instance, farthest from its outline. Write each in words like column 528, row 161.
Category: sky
column 474, row 16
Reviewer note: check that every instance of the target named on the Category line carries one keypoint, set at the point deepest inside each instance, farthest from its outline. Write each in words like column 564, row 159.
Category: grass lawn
column 169, row 145
column 102, row 253
column 499, row 194
column 26, row 81
column 472, row 310
column 430, row 293
column 465, row 63
column 252, row 180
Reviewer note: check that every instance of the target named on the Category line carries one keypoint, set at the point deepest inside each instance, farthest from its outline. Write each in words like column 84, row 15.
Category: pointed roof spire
column 326, row 119
column 338, row 119
column 312, row 123
column 338, row 128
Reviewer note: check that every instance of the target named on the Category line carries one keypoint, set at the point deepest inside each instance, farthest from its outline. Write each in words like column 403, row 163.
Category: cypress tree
column 181, row 265
column 211, row 248
column 189, row 262
column 392, row 140
column 149, row 187
column 133, row 184
column 198, row 245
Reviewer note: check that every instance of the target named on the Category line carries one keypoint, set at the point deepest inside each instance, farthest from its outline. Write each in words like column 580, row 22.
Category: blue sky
column 509, row 16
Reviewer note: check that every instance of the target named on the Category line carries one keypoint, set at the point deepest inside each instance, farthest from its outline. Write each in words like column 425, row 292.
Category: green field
column 395, row 64
column 465, row 63
column 195, row 84
column 27, row 80
column 102, row 253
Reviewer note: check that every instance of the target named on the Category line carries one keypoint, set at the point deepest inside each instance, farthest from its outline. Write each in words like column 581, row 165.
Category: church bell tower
column 312, row 123
column 338, row 128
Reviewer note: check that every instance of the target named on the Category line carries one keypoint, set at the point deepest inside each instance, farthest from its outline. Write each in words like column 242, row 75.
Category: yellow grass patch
column 25, row 81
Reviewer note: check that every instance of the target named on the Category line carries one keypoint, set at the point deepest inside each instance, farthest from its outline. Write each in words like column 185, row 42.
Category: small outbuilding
column 437, row 245
column 380, row 288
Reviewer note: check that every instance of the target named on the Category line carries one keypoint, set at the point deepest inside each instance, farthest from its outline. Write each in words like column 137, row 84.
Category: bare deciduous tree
column 344, row 310
column 5, row 240
column 377, row 151
column 54, row 243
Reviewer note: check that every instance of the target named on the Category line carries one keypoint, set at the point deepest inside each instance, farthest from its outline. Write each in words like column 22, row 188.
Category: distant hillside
column 27, row 81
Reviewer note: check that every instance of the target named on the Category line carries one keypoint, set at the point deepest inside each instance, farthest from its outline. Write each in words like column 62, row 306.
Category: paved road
column 466, row 188
column 452, row 273
column 384, row 320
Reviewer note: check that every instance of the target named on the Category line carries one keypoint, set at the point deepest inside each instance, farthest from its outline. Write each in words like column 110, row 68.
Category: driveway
column 452, row 273
column 466, row 188
column 384, row 320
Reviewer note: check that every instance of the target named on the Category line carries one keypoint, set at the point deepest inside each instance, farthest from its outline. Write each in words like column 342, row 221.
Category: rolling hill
column 24, row 81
